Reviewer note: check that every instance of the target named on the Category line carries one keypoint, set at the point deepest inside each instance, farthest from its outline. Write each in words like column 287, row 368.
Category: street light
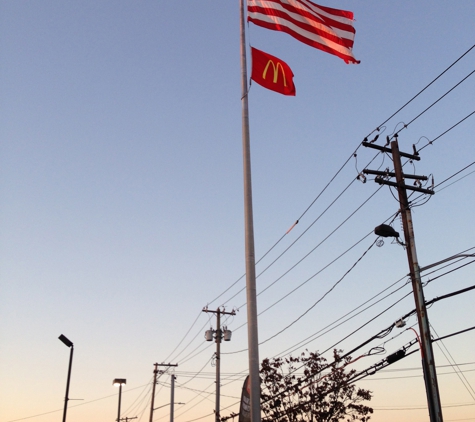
column 69, row 344
column 119, row 382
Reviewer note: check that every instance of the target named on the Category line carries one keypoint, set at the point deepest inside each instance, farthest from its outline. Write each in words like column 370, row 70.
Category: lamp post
column 69, row 344
column 119, row 382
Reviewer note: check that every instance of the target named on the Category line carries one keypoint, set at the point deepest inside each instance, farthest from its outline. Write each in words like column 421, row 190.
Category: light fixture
column 384, row 230
column 65, row 340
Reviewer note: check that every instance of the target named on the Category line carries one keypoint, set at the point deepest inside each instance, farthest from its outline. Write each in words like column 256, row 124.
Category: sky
column 121, row 194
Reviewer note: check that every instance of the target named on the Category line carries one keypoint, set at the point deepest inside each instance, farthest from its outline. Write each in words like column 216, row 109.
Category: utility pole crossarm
column 391, row 174
column 388, row 150
column 381, row 181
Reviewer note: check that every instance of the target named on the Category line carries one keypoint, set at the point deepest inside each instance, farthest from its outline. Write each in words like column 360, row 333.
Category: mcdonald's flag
column 272, row 73
column 330, row 30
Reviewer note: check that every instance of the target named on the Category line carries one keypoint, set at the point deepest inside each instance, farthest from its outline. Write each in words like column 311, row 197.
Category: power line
column 455, row 174
column 436, row 101
column 345, row 190
column 313, row 250
column 299, row 286
column 457, row 370
column 448, row 130
column 285, row 274
column 425, row 408
column 427, row 86
column 338, row 172
column 181, row 341
column 79, row 404
column 292, row 244
column 381, row 334
column 314, row 336
column 323, row 297
column 451, row 271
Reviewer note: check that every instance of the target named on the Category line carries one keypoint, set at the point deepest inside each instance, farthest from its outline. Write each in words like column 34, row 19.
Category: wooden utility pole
column 428, row 363
column 172, row 398
column 155, row 372
column 218, row 335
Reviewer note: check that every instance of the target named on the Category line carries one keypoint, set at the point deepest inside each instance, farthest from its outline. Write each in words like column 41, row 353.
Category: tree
column 321, row 394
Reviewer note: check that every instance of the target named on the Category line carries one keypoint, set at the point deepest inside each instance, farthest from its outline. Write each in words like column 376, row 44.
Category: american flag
column 330, row 30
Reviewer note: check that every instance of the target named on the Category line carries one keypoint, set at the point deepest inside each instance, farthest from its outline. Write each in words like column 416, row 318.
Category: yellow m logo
column 276, row 71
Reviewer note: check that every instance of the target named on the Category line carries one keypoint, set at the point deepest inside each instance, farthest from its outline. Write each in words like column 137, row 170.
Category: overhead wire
column 377, row 129
column 185, row 358
column 321, row 242
column 429, row 84
column 448, row 130
column 324, row 295
column 455, row 367
column 414, row 120
column 415, row 376
column 436, row 101
column 315, row 274
column 138, row 402
column 295, row 289
column 334, row 345
column 332, row 326
column 458, row 180
column 294, row 242
column 435, row 299
column 381, row 334
column 317, row 199
column 181, row 341
column 77, row 405
column 455, row 174
column 448, row 272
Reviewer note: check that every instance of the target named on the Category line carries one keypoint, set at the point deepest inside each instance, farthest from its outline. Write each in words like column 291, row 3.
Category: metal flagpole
column 251, row 295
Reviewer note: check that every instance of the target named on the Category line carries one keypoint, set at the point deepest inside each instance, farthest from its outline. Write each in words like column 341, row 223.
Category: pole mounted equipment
column 218, row 335
column 428, row 362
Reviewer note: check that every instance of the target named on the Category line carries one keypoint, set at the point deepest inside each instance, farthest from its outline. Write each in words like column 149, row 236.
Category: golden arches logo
column 276, row 68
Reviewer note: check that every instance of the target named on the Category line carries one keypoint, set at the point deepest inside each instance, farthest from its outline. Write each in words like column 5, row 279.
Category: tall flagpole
column 253, row 343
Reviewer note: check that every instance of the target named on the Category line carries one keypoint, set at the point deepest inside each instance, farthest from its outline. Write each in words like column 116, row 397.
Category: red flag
column 327, row 29
column 272, row 73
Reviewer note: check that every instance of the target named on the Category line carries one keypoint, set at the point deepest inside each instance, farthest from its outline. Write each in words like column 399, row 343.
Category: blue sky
column 122, row 200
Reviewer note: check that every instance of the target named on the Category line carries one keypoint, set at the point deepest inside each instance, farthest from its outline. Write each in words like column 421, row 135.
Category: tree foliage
column 318, row 393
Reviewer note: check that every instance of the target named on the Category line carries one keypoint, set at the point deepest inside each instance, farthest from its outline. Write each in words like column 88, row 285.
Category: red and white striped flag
column 327, row 29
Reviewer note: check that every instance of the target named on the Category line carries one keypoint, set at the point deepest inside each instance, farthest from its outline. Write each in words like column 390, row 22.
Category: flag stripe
column 298, row 20
column 321, row 27
column 300, row 35
column 340, row 21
